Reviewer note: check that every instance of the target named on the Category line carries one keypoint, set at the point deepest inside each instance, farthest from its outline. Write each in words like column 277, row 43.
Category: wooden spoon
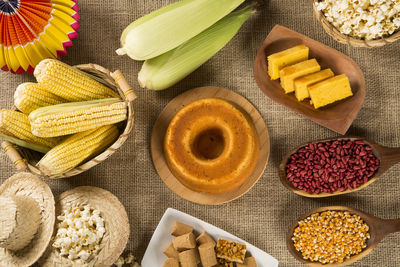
column 378, row 229
column 337, row 116
column 388, row 157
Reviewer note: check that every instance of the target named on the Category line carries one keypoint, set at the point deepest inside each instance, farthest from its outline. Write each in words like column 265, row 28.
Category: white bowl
column 162, row 238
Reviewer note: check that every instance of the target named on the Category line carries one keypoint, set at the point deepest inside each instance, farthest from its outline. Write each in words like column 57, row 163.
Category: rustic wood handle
column 15, row 157
column 390, row 154
column 391, row 226
column 124, row 85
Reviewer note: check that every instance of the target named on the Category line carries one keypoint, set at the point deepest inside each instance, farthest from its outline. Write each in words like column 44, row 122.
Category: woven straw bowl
column 345, row 39
column 26, row 159
column 116, row 223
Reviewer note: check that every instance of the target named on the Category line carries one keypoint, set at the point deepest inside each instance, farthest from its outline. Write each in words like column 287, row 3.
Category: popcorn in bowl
column 79, row 233
column 364, row 19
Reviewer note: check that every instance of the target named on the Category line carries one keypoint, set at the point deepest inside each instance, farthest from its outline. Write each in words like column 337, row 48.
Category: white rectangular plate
column 154, row 256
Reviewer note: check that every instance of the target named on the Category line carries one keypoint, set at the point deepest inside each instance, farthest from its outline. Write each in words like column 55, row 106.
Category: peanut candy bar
column 231, row 251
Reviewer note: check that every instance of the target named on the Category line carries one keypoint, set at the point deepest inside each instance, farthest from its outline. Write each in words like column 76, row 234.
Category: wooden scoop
column 388, row 157
column 378, row 229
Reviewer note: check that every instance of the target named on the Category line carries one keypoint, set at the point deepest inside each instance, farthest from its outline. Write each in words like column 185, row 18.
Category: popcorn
column 364, row 19
column 79, row 233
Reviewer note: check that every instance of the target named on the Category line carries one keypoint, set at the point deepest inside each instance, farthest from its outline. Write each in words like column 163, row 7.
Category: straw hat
column 116, row 225
column 27, row 216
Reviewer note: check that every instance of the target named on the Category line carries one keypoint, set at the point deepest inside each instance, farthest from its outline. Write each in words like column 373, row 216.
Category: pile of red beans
column 331, row 166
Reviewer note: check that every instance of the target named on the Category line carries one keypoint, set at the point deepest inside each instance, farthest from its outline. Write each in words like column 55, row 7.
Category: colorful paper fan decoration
column 32, row 30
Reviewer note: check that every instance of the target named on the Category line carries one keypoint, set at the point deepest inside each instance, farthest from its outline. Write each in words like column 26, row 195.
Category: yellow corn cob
column 70, row 118
column 70, row 83
column 16, row 124
column 31, row 96
column 76, row 149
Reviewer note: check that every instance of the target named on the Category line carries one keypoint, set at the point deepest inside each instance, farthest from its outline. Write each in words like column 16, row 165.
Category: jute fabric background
column 262, row 216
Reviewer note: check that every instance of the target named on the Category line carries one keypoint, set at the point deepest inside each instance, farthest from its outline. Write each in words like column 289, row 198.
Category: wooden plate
column 161, row 125
column 338, row 116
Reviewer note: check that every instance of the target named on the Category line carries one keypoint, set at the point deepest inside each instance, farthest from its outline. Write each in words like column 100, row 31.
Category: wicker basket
column 345, row 39
column 26, row 159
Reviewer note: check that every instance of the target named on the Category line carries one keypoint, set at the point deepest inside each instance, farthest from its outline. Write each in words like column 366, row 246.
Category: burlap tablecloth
column 262, row 216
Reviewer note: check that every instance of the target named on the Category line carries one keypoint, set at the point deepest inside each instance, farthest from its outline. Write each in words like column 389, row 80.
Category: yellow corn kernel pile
column 331, row 236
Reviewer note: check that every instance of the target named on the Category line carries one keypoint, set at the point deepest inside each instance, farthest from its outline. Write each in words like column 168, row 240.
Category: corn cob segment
column 70, row 83
column 70, row 118
column 76, row 149
column 16, row 124
column 31, row 96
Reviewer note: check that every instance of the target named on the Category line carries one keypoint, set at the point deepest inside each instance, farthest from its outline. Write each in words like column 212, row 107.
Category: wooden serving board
column 161, row 125
column 338, row 116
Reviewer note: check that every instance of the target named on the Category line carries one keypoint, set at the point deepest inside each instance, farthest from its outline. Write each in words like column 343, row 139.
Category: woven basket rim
column 349, row 40
column 114, row 85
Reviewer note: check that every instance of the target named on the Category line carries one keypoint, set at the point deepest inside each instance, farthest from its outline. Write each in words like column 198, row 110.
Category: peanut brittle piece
column 231, row 251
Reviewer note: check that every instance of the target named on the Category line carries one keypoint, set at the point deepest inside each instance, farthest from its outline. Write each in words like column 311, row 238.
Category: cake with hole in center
column 211, row 146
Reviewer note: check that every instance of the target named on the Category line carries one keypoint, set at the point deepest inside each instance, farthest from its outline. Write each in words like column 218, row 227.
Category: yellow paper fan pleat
column 61, row 25
column 42, row 50
column 11, row 59
column 2, row 57
column 20, row 56
column 64, row 17
column 67, row 3
column 67, row 10
column 35, row 54
column 53, row 38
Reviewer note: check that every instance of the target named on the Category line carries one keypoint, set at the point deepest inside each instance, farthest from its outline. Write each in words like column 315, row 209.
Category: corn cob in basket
column 77, row 148
column 69, row 118
column 69, row 83
column 47, row 112
column 31, row 96
column 15, row 125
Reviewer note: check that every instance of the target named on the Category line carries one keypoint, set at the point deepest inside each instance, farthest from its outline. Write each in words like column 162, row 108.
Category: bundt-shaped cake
column 211, row 146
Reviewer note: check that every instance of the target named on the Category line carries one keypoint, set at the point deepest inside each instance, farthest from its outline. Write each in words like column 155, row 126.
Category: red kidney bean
column 332, row 166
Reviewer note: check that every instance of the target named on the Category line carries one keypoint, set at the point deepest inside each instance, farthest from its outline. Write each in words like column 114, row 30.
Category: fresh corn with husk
column 31, row 96
column 76, row 149
column 166, row 70
column 70, row 118
column 69, row 83
column 171, row 26
column 16, row 124
column 26, row 144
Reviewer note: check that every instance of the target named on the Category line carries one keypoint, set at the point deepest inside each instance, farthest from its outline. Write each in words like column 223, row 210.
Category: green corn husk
column 169, row 27
column 22, row 143
column 168, row 69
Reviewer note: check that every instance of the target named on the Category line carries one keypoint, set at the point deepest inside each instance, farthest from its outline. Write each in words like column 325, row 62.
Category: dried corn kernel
column 331, row 236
